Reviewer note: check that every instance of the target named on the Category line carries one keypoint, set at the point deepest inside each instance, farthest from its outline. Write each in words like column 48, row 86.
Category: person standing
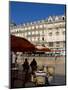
column 33, row 65
column 25, row 70
column 26, row 65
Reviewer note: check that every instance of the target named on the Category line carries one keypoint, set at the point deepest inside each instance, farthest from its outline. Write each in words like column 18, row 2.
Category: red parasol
column 21, row 44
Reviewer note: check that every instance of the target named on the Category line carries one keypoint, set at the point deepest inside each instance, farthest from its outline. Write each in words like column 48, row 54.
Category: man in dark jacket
column 33, row 65
column 26, row 70
column 26, row 66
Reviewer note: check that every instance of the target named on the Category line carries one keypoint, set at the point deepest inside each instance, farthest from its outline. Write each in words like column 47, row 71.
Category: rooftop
column 50, row 19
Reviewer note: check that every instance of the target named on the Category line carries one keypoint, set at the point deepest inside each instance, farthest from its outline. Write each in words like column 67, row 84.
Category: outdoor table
column 40, row 77
column 51, row 70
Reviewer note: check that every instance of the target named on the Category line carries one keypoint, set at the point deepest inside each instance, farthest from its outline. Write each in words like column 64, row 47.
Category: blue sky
column 23, row 12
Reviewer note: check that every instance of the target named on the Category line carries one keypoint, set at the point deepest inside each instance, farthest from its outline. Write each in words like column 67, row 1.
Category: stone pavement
column 19, row 82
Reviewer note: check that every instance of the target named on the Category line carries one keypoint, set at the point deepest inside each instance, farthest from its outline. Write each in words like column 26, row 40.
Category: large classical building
column 49, row 32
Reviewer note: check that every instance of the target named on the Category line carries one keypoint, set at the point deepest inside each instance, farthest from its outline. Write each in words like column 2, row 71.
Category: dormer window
column 56, row 18
column 62, row 18
column 50, row 19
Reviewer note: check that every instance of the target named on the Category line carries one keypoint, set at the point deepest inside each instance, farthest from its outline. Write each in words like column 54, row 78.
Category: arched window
column 63, row 18
column 43, row 38
column 50, row 34
column 36, row 26
column 33, row 27
column 57, row 33
column 41, row 26
column 63, row 32
column 50, row 44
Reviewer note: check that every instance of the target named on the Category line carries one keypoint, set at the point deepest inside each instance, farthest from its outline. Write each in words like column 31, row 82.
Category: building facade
column 49, row 32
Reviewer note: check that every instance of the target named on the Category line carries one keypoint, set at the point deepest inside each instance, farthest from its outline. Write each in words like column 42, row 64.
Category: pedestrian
column 25, row 70
column 33, row 65
column 26, row 65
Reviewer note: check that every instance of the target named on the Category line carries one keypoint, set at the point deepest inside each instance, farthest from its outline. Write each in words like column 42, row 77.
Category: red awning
column 21, row 44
